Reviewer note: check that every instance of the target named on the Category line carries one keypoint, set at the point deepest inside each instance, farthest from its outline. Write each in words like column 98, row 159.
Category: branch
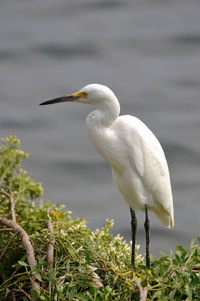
column 51, row 243
column 12, row 201
column 27, row 245
column 143, row 291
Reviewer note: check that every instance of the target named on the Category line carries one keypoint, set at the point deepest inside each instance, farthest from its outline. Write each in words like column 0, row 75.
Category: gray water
column 148, row 53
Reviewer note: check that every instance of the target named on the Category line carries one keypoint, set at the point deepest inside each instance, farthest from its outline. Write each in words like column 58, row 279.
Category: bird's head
column 93, row 94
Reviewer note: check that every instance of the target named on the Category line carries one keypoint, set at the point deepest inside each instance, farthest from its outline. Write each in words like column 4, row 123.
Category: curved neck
column 99, row 126
column 106, row 113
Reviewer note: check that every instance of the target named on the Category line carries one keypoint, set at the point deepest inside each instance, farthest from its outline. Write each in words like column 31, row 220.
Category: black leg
column 147, row 231
column 133, row 235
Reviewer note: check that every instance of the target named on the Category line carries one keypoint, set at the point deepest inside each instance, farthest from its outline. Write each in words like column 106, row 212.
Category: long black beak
column 60, row 99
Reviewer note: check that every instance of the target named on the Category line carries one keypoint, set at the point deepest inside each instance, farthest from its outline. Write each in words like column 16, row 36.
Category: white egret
column 139, row 166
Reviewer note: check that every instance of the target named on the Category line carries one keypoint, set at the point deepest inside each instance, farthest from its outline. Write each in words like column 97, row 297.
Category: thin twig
column 6, row 187
column 5, row 193
column 12, row 201
column 13, row 208
column 51, row 243
column 27, row 245
column 25, row 293
column 7, row 246
column 6, row 230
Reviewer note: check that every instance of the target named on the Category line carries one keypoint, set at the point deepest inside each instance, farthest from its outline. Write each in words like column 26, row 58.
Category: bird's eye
column 84, row 94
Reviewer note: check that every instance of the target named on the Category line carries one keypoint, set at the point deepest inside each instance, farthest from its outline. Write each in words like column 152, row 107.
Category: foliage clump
column 86, row 265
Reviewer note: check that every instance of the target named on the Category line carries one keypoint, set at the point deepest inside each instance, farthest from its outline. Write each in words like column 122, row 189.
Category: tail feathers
column 165, row 217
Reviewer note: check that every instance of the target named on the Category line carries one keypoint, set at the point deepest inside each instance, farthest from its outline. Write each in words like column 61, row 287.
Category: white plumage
column 139, row 166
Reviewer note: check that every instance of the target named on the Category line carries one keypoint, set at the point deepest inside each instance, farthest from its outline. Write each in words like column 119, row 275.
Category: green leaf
column 37, row 276
column 23, row 263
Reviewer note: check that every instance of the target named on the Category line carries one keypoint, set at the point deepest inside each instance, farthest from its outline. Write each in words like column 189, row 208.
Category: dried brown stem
column 50, row 252
column 7, row 246
column 26, row 243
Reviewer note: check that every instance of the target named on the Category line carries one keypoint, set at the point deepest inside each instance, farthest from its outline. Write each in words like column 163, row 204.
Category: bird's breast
column 106, row 144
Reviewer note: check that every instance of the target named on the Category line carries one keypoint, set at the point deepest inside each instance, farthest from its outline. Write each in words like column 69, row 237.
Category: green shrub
column 87, row 265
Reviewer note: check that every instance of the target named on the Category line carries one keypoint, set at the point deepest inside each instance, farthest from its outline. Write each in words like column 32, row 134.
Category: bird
column 138, row 163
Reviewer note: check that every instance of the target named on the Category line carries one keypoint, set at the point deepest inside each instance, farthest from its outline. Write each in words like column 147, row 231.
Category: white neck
column 99, row 127
column 105, row 114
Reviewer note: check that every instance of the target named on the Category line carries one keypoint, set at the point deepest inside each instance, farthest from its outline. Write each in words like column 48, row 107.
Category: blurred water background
column 148, row 52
